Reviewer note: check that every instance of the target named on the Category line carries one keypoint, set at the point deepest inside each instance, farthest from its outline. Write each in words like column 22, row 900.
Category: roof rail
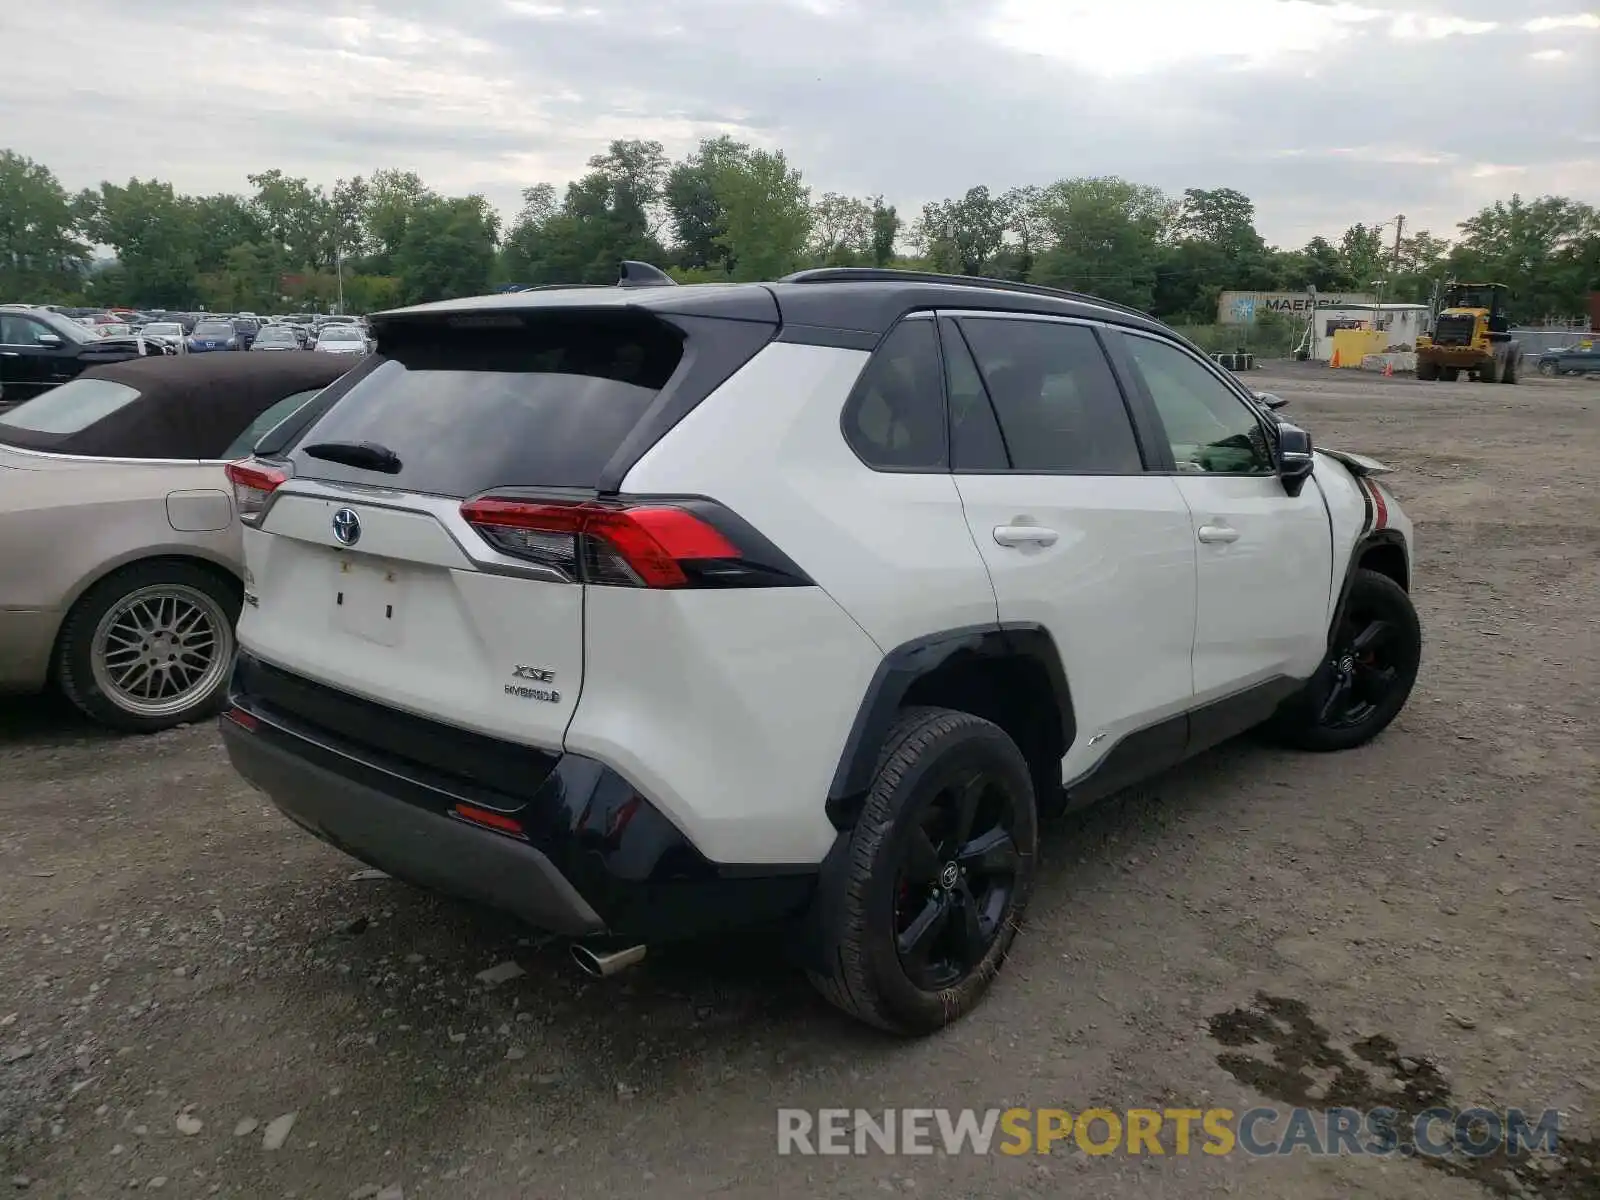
column 889, row 275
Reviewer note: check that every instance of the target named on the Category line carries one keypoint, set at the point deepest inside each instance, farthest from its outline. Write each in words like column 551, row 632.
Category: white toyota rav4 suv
column 651, row 611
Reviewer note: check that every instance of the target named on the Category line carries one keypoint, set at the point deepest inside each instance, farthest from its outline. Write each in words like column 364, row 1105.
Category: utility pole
column 1399, row 224
column 338, row 260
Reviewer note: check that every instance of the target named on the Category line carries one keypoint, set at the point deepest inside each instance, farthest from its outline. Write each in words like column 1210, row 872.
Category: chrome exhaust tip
column 602, row 963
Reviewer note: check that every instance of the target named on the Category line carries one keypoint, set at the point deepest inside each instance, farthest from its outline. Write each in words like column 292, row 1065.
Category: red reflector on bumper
column 498, row 822
column 241, row 718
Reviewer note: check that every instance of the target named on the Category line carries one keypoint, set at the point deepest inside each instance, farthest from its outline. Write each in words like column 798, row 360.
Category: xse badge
column 534, row 675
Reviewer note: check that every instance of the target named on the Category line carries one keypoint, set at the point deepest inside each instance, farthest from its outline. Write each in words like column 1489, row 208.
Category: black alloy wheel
column 1361, row 672
column 958, row 873
column 934, row 877
column 1367, row 676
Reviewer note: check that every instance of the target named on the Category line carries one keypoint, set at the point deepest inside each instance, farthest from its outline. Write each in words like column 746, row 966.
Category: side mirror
column 1295, row 458
column 51, row 341
column 1271, row 400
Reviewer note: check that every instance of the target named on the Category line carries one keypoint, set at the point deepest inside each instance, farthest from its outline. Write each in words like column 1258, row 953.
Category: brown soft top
column 189, row 406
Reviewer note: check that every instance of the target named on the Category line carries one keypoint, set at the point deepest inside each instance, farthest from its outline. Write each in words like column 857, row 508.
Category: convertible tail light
column 643, row 545
column 253, row 482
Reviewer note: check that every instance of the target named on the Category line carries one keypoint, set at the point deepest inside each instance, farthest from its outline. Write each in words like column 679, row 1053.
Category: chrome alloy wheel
column 161, row 649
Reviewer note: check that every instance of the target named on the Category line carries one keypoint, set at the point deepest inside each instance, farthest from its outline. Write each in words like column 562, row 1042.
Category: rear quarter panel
column 64, row 524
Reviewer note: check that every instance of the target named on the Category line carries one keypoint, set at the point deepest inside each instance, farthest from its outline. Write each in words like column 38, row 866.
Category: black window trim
column 1154, row 451
column 940, row 468
column 1229, row 385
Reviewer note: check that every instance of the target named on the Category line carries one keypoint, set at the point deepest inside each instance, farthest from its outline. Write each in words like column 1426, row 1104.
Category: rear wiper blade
column 364, row 456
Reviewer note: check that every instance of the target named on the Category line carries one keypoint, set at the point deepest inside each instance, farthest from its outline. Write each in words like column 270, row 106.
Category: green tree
column 1026, row 229
column 1319, row 264
column 295, row 218
column 1544, row 250
column 766, row 214
column 1361, row 254
column 1215, row 247
column 841, row 231
column 886, row 226
column 1220, row 217
column 448, row 249
column 965, row 235
column 350, row 201
column 391, row 198
column 696, row 212
column 153, row 231
column 41, row 256
column 1105, row 238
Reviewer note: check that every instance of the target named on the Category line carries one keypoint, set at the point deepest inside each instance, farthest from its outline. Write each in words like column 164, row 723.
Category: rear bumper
column 593, row 857
column 411, row 843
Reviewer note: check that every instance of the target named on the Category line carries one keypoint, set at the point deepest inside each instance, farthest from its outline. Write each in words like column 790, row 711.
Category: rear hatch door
column 365, row 575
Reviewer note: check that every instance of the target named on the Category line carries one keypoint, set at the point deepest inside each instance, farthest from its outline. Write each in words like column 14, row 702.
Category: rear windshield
column 466, row 410
column 74, row 406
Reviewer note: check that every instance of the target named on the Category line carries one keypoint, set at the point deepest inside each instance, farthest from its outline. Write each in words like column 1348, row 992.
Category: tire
column 935, row 764
column 1508, row 369
column 176, row 605
column 1449, row 374
column 1489, row 371
column 1427, row 371
column 1548, row 370
column 1368, row 674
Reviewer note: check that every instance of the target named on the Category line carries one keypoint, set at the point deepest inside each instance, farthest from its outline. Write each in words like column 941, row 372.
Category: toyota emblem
column 347, row 526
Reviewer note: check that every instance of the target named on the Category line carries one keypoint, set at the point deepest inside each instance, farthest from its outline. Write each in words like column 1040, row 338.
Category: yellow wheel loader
column 1472, row 333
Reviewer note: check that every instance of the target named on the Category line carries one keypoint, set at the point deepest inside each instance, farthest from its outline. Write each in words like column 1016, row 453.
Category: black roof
column 189, row 406
column 837, row 306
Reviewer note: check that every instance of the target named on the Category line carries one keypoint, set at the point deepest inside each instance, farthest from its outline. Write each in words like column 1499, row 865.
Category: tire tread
column 848, row 985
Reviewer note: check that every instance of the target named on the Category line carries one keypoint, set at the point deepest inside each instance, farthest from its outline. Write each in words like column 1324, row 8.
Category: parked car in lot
column 168, row 333
column 40, row 349
column 119, row 549
column 1569, row 360
column 211, row 335
column 646, row 612
column 341, row 339
column 276, row 337
column 245, row 327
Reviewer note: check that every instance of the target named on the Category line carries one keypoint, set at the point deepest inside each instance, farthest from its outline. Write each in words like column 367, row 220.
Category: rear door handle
column 1218, row 533
column 1022, row 535
column 10, row 354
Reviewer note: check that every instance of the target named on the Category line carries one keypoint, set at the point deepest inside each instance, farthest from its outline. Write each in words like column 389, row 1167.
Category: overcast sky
column 1324, row 113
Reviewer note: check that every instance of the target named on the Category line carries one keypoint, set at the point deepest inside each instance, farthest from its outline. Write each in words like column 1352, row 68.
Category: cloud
column 1326, row 112
column 1568, row 21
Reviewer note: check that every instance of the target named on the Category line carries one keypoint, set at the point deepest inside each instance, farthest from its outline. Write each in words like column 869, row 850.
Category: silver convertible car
column 120, row 556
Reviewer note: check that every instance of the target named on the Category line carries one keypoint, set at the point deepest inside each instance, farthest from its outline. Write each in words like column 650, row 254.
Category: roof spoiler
column 632, row 273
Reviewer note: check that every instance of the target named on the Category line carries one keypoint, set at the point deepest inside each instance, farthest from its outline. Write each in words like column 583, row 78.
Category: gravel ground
column 183, row 974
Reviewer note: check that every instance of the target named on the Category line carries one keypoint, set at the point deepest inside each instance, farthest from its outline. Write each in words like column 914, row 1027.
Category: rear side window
column 466, row 410
column 1058, row 402
column 266, row 422
column 72, row 407
column 894, row 418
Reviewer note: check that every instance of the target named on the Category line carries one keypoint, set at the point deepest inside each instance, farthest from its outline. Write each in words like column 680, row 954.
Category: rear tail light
column 644, row 545
column 253, row 482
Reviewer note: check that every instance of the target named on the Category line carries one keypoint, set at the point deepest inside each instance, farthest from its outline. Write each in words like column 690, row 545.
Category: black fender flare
column 1375, row 537
column 812, row 945
column 911, row 661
